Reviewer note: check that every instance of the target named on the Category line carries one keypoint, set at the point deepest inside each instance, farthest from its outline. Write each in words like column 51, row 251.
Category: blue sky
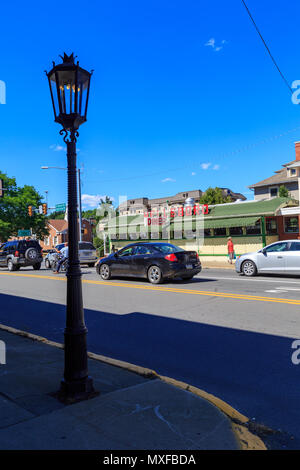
column 183, row 95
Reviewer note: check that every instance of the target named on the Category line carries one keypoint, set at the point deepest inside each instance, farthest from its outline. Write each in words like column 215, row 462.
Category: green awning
column 230, row 222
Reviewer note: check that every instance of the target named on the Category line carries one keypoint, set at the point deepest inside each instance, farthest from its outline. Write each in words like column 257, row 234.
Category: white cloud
column 216, row 167
column 92, row 201
column 57, row 148
column 205, row 166
column 193, row 173
column 211, row 42
column 168, row 180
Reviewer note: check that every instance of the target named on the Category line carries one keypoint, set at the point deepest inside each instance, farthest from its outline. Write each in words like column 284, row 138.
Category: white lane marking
column 276, row 291
column 291, row 288
column 241, row 278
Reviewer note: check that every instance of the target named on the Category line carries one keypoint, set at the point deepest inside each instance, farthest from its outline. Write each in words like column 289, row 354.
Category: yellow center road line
column 159, row 288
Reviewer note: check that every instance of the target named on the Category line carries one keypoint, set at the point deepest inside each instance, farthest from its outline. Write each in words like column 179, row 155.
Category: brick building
column 58, row 232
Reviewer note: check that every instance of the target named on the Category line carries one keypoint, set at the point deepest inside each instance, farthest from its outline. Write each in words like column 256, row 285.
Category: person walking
column 230, row 249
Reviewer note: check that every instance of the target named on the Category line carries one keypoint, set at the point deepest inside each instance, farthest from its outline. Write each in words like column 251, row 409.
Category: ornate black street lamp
column 69, row 87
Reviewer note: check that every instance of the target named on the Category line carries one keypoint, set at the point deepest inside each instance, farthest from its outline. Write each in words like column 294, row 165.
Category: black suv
column 19, row 253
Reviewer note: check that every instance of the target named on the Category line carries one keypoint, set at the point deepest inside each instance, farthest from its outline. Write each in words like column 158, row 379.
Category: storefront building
column 251, row 224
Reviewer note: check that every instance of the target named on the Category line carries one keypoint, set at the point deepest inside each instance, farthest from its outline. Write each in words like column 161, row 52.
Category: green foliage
column 99, row 245
column 57, row 215
column 283, row 191
column 89, row 214
column 14, row 210
column 214, row 196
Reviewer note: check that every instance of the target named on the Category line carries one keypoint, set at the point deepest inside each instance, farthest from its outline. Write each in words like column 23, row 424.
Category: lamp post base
column 72, row 392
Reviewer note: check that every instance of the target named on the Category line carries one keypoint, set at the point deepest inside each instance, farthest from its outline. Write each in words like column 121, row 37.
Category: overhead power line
column 195, row 164
column 267, row 48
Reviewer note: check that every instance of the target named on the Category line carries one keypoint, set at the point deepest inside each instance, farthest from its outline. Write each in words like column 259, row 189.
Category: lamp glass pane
column 83, row 84
column 54, row 94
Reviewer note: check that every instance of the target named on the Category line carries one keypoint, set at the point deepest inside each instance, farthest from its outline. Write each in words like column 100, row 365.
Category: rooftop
column 280, row 176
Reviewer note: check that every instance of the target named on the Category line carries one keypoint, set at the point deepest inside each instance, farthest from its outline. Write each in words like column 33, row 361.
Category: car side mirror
column 264, row 251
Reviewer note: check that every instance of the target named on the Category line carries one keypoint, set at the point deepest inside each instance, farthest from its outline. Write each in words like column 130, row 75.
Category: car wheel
column 154, row 275
column 249, row 268
column 187, row 278
column 47, row 264
column 37, row 266
column 105, row 272
column 10, row 265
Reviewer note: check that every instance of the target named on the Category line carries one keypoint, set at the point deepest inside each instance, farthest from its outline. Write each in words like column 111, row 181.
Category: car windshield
column 167, row 248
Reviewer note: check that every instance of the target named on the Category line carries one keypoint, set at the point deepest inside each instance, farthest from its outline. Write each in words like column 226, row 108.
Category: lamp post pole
column 76, row 384
column 68, row 81
column 79, row 193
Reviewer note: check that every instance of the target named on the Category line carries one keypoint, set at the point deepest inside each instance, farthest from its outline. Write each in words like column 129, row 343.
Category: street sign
column 60, row 207
column 24, row 233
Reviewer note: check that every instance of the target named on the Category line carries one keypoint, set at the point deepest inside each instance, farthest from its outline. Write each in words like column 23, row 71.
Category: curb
column 239, row 422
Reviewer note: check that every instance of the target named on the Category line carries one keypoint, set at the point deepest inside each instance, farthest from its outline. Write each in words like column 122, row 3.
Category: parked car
column 278, row 258
column 17, row 253
column 153, row 261
column 49, row 258
column 87, row 254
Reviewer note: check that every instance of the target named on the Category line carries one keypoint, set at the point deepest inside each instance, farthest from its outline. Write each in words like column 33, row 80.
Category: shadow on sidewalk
column 251, row 371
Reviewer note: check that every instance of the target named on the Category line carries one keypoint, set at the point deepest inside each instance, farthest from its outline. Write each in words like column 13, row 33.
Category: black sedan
column 153, row 261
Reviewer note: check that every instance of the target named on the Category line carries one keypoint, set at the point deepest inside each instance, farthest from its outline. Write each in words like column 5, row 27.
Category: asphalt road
column 224, row 333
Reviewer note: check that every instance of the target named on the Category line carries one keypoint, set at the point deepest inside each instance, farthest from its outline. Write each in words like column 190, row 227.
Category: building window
column 253, row 229
column 271, row 226
column 293, row 172
column 273, row 192
column 220, row 232
column 207, row 232
column 236, row 231
column 291, row 225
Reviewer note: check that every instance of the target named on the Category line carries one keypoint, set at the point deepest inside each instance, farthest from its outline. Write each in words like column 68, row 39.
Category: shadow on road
column 251, row 371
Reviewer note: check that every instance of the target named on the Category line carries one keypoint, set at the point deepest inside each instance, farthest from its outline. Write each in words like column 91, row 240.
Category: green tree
column 89, row 214
column 214, row 196
column 57, row 215
column 99, row 245
column 283, row 191
column 14, row 210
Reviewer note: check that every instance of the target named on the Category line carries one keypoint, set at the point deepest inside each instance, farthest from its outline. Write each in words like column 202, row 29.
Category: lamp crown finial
column 69, row 59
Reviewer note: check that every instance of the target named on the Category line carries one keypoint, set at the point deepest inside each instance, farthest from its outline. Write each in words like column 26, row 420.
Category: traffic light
column 45, row 209
column 30, row 211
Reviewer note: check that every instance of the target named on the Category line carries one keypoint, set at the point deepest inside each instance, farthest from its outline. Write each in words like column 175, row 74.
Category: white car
column 281, row 257
column 87, row 253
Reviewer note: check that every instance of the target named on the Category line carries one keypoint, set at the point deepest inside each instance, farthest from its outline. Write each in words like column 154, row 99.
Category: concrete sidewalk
column 136, row 409
column 217, row 262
